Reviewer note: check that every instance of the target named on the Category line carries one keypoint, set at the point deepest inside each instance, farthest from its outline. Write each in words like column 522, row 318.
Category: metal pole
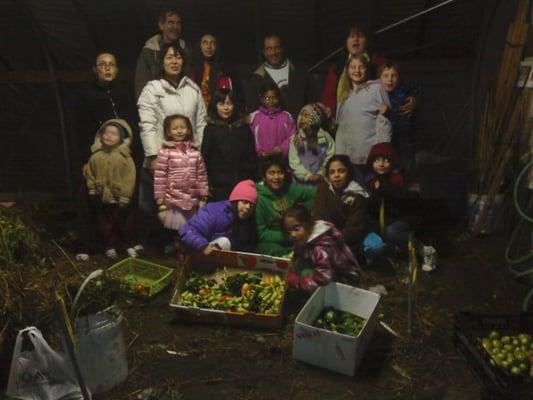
column 388, row 27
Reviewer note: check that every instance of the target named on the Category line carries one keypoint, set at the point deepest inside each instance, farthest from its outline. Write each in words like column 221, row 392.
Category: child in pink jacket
column 180, row 176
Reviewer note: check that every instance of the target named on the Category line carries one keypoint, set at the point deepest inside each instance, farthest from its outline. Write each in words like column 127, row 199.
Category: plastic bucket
column 493, row 219
column 101, row 350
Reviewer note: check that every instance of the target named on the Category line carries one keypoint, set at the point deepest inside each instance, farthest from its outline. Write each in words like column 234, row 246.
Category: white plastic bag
column 40, row 373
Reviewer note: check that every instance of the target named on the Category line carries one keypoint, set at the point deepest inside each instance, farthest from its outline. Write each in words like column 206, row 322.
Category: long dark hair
column 219, row 96
column 177, row 48
column 217, row 63
column 354, row 28
column 344, row 160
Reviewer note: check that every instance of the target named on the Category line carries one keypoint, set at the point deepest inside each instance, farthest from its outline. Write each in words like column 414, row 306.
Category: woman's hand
column 383, row 108
column 409, row 106
column 153, row 163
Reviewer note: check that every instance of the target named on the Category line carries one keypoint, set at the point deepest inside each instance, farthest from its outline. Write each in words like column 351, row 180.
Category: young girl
column 310, row 148
column 110, row 183
column 227, row 224
column 228, row 146
column 393, row 201
column 180, row 177
column 360, row 114
column 271, row 125
column 320, row 253
column 403, row 100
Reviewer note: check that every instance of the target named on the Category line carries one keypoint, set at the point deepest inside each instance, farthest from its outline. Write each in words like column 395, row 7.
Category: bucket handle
column 92, row 275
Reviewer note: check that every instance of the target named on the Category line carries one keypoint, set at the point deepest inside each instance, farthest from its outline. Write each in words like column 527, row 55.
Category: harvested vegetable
column 512, row 353
column 340, row 321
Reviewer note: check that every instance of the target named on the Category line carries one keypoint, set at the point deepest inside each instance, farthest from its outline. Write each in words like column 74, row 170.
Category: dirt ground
column 172, row 359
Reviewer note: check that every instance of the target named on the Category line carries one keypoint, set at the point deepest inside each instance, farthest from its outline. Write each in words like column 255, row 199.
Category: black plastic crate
column 497, row 382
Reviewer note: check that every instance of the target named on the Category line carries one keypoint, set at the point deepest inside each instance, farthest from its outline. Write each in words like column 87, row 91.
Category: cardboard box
column 235, row 262
column 332, row 350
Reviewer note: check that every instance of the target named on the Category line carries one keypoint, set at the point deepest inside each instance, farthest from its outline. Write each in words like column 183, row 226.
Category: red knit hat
column 244, row 190
column 384, row 149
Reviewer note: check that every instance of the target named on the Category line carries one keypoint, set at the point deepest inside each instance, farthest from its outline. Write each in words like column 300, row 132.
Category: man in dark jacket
column 148, row 62
column 279, row 69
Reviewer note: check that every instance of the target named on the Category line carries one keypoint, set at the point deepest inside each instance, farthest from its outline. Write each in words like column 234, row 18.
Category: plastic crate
column 140, row 277
column 497, row 382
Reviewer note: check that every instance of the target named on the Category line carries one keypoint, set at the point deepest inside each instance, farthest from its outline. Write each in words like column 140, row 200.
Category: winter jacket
column 148, row 67
column 111, row 171
column 304, row 162
column 402, row 124
column 293, row 95
column 272, row 128
column 216, row 220
column 347, row 210
column 229, row 154
column 220, row 77
column 324, row 258
column 360, row 126
column 158, row 100
column 269, row 215
column 180, row 177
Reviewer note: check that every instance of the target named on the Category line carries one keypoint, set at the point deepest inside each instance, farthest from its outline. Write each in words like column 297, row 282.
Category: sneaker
column 111, row 253
column 138, row 248
column 82, row 256
column 132, row 252
column 430, row 258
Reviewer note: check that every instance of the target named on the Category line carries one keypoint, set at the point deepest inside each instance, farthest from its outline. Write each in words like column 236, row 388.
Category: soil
column 173, row 359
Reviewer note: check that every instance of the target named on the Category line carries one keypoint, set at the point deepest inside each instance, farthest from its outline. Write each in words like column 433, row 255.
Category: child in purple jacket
column 224, row 224
column 271, row 125
column 320, row 253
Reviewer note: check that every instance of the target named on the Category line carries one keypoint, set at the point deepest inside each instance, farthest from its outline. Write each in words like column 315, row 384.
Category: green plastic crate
column 141, row 277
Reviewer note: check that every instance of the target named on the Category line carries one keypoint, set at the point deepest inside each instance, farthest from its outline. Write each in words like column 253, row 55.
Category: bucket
column 100, row 347
column 493, row 217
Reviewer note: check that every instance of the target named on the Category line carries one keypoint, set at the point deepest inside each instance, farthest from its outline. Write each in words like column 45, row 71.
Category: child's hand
column 408, row 107
column 383, row 108
column 314, row 178
column 208, row 250
column 84, row 170
column 276, row 150
column 201, row 203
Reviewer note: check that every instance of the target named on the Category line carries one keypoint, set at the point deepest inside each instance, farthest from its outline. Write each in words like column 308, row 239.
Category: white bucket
column 493, row 217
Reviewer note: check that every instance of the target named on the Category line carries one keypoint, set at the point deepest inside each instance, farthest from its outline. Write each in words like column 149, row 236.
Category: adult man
column 280, row 70
column 148, row 62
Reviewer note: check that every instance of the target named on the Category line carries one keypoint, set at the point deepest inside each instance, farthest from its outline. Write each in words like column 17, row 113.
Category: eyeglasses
column 270, row 98
column 104, row 65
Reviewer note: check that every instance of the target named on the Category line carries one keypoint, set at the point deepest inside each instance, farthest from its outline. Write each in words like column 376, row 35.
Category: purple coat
column 212, row 221
column 272, row 128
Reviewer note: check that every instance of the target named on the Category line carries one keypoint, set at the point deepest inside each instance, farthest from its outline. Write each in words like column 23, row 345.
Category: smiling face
column 357, row 71
column 172, row 63
column 270, row 99
column 338, row 175
column 110, row 136
column 273, row 50
column 106, row 68
column 171, row 27
column 178, row 130
column 389, row 79
column 296, row 232
column 355, row 43
column 274, row 177
column 225, row 108
column 245, row 209
column 381, row 165
column 208, row 45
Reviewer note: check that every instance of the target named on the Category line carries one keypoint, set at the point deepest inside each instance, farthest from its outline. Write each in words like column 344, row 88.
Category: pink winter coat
column 272, row 128
column 180, row 177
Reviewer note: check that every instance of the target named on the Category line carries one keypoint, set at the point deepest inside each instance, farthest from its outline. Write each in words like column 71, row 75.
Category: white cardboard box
column 332, row 350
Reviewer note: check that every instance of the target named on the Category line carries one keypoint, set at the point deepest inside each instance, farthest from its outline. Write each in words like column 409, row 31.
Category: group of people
column 269, row 164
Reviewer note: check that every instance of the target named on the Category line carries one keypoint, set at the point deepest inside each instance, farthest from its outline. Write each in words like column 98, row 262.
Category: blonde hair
column 345, row 85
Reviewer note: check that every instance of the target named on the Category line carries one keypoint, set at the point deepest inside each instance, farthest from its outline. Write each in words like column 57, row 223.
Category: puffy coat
column 158, row 100
column 212, row 221
column 111, row 171
column 180, row 177
column 272, row 128
column 324, row 258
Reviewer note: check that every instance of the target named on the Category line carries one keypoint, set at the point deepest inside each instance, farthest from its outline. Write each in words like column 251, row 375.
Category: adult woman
column 211, row 72
column 342, row 201
column 276, row 195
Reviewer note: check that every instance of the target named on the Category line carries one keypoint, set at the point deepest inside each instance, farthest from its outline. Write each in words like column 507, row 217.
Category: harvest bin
column 497, row 382
column 331, row 350
column 234, row 262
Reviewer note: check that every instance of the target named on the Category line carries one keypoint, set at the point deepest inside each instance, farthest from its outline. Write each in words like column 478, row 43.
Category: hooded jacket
column 111, row 171
column 180, row 177
column 346, row 210
column 212, row 221
column 272, row 128
column 229, row 154
column 148, row 67
column 328, row 256
column 269, row 215
column 158, row 100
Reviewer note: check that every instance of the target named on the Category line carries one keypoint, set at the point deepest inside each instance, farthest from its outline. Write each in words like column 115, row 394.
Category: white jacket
column 160, row 99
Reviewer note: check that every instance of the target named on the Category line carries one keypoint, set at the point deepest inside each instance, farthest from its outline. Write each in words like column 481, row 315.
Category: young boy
column 111, row 183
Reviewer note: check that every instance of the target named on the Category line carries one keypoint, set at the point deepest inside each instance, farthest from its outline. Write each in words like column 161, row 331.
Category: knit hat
column 314, row 114
column 384, row 149
column 244, row 190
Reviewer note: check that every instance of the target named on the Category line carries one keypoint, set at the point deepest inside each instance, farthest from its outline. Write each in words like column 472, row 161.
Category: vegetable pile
column 340, row 321
column 241, row 292
column 513, row 353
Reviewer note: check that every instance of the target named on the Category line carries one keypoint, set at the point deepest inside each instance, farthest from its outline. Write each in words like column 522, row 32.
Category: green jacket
column 269, row 216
